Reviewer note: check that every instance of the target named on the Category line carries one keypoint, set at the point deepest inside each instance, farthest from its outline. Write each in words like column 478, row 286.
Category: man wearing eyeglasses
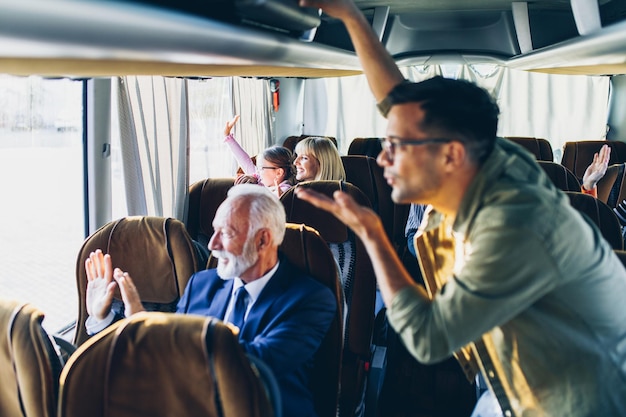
column 519, row 284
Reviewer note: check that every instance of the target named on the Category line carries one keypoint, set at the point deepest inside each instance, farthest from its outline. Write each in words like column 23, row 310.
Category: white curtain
column 558, row 108
column 210, row 107
column 343, row 108
column 154, row 144
column 489, row 77
column 252, row 100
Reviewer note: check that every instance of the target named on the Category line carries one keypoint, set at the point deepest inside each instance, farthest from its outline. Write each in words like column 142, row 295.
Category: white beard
column 237, row 264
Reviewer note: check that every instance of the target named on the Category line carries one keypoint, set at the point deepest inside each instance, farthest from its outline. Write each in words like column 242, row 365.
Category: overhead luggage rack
column 104, row 38
column 279, row 15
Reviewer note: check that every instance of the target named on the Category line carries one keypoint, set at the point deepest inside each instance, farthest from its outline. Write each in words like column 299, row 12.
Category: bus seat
column 612, row 187
column 367, row 175
column 205, row 196
column 291, row 141
column 29, row 365
column 363, row 171
column 562, row 177
column 601, row 214
column 156, row 364
column 365, row 146
column 358, row 281
column 156, row 251
column 306, row 249
column 578, row 155
column 539, row 147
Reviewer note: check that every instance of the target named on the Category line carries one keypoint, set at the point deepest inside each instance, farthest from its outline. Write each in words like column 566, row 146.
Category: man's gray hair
column 266, row 210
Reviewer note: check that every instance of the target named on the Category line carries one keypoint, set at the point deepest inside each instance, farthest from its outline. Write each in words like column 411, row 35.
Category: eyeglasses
column 260, row 169
column 389, row 144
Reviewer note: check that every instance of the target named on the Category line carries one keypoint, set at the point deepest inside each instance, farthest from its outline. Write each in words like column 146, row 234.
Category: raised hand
column 100, row 284
column 596, row 170
column 230, row 125
column 276, row 188
column 130, row 295
column 335, row 8
column 362, row 220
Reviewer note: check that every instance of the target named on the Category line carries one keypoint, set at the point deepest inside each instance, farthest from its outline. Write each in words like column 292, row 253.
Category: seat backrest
column 156, row 364
column 358, row 280
column 578, row 155
column 601, row 214
column 29, row 365
column 306, row 249
column 562, row 177
column 205, row 196
column 539, row 147
column 156, row 251
column 291, row 141
column 365, row 146
column 612, row 187
column 368, row 176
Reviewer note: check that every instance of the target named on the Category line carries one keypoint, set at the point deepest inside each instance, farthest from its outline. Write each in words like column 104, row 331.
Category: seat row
column 357, row 277
column 566, row 176
column 358, row 283
column 152, row 364
column 157, row 363
column 576, row 158
column 578, row 155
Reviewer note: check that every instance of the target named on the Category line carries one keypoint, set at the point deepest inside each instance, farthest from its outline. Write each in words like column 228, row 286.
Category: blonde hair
column 326, row 153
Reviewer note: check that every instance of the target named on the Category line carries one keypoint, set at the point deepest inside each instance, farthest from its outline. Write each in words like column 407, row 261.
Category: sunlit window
column 210, row 107
column 41, row 180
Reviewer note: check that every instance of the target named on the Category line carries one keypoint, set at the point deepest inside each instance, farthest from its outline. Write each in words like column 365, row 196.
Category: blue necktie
column 241, row 305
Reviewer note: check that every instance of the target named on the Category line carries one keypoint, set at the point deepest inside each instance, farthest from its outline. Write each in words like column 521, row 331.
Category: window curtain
column 558, row 108
column 344, row 107
column 210, row 107
column 341, row 107
column 489, row 77
column 153, row 119
column 252, row 100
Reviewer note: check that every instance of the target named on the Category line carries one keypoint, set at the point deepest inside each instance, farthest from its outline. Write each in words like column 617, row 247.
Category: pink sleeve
column 243, row 159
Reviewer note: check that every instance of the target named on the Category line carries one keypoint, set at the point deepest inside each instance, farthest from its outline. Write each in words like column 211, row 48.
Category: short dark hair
column 456, row 107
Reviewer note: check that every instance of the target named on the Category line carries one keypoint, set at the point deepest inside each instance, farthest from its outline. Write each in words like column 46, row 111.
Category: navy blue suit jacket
column 284, row 327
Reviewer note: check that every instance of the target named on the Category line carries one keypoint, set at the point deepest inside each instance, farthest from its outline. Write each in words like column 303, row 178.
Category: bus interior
column 116, row 108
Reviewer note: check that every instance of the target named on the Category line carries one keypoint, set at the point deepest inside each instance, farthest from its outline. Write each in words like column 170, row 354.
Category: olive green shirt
column 530, row 286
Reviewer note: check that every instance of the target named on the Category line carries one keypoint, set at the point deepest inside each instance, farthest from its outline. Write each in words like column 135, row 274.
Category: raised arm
column 596, row 170
column 100, row 284
column 242, row 157
column 391, row 275
column 102, row 279
column 380, row 69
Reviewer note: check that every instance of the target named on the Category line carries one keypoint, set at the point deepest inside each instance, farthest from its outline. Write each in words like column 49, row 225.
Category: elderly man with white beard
column 286, row 314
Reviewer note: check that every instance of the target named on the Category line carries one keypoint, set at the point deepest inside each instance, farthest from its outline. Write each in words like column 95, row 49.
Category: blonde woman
column 317, row 159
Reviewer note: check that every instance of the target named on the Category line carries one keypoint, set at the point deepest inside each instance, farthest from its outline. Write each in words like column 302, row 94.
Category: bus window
column 209, row 109
column 41, row 179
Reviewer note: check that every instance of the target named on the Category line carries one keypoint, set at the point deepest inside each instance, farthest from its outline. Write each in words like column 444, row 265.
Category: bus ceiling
column 163, row 37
